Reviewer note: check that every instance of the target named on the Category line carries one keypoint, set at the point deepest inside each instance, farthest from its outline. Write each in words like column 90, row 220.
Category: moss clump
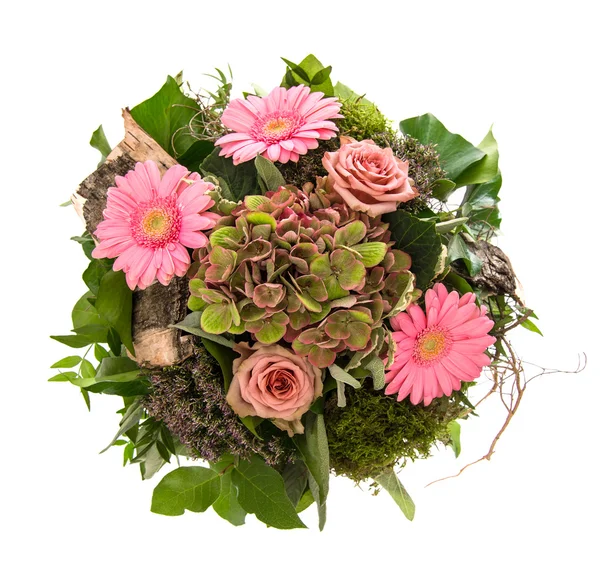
column 375, row 431
column 362, row 120
column 189, row 398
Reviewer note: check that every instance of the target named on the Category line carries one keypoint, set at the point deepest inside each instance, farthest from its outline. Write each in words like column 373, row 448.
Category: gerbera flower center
column 277, row 126
column 156, row 223
column 431, row 345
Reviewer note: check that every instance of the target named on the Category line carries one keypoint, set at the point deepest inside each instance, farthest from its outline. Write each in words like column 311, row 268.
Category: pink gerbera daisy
column 281, row 126
column 438, row 350
column 149, row 222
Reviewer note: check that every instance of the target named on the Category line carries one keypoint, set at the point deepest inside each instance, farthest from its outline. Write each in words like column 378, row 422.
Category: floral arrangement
column 286, row 287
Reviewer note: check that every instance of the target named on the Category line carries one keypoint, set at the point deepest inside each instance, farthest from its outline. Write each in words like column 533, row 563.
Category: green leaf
column 269, row 173
column 87, row 369
column 389, row 482
column 529, row 325
column 216, row 318
column 261, row 491
column 186, row 488
column 456, row 153
column 377, row 369
column 131, row 418
column 487, row 168
column 112, row 366
column 442, row 189
column 314, row 448
column 66, row 376
column 197, row 152
column 295, row 479
column 241, row 179
column 448, row 225
column 251, row 423
column 224, row 356
column 191, row 324
column 100, row 352
column 227, row 505
column 419, row 239
column 95, row 272
column 480, row 205
column 74, row 341
column 99, row 142
column 114, row 304
column 87, row 321
column 164, row 114
column 343, row 377
column 454, row 433
column 67, row 362
column 310, row 71
column 458, row 250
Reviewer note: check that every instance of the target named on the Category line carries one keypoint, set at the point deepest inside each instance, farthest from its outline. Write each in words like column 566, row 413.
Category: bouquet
column 286, row 287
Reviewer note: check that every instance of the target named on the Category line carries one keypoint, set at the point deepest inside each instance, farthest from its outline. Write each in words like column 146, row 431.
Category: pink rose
column 368, row 178
column 271, row 381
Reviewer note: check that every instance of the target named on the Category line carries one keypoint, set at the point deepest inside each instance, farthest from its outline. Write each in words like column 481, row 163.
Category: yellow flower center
column 432, row 344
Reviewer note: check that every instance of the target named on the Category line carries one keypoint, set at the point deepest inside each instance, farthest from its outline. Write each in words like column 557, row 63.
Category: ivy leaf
column 186, row 488
column 114, row 304
column 261, row 491
column 227, row 505
column 458, row 250
column 419, row 239
column 456, row 153
column 268, row 173
column 487, row 168
column 389, row 482
column 164, row 114
column 480, row 204
column 100, row 143
column 241, row 179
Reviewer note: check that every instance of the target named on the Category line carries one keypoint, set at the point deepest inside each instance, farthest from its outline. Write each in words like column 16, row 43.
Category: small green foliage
column 374, row 432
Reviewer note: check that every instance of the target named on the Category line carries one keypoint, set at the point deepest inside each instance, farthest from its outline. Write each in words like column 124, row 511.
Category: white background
column 527, row 67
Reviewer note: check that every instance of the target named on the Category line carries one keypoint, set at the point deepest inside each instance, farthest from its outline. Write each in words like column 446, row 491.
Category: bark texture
column 497, row 275
column 157, row 307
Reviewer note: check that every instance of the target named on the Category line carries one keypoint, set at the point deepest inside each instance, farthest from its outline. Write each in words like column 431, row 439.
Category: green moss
column 362, row 120
column 375, row 431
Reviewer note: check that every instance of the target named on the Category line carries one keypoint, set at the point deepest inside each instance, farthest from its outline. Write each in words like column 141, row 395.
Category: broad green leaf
column 87, row 321
column 261, row 491
column 458, row 250
column 114, row 304
column 67, row 362
column 487, row 168
column 191, row 324
column 100, row 143
column 251, row 423
column 224, row 356
column 186, row 488
column 241, row 179
column 227, row 505
column 95, row 272
column 454, row 433
column 389, row 482
column 165, row 117
column 456, row 153
column 196, row 153
column 100, row 352
column 112, row 366
column 305, row 501
column 480, row 205
column 295, row 479
column 268, row 173
column 442, row 189
column 419, row 239
column 87, row 369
